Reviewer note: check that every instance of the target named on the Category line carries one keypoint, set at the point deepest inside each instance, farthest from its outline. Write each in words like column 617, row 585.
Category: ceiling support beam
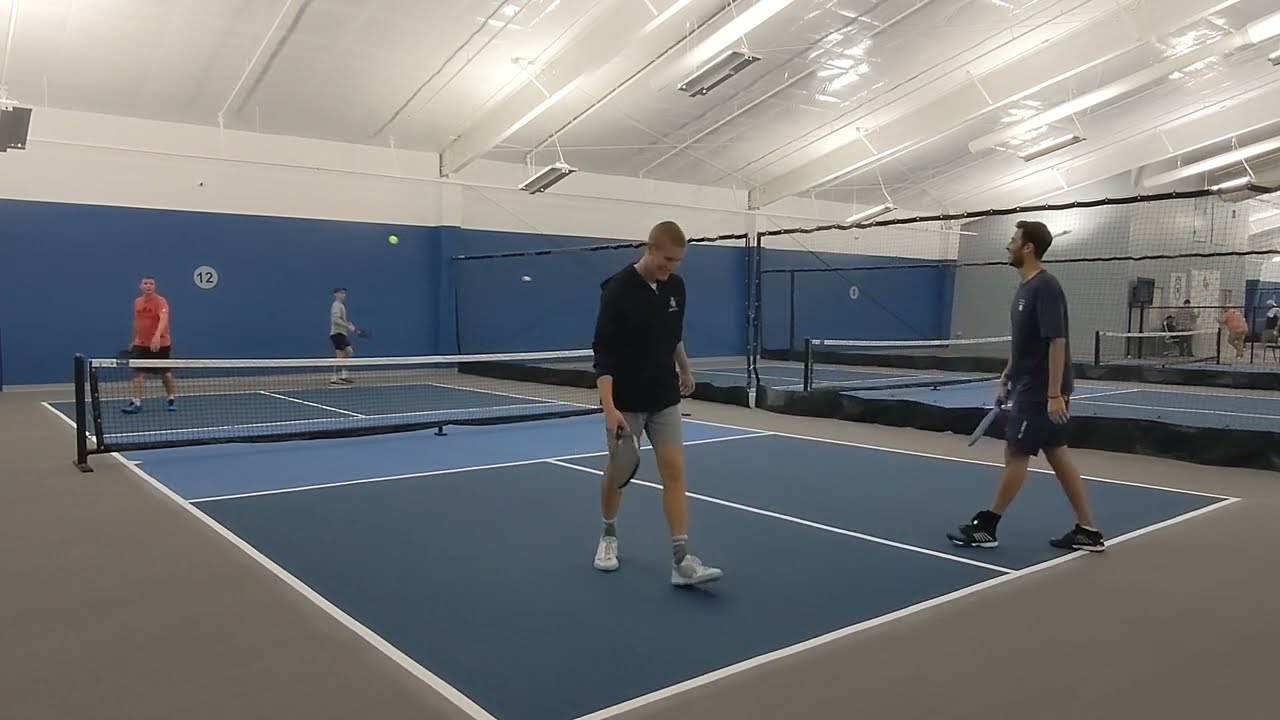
column 614, row 37
column 1097, row 41
column 1136, row 148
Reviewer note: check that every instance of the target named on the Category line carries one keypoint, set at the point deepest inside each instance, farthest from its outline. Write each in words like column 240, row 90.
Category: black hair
column 1036, row 233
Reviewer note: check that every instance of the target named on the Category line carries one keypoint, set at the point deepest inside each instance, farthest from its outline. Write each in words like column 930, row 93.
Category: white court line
column 987, row 463
column 739, row 374
column 447, row 471
column 1182, row 410
column 1271, row 398
column 806, row 523
column 478, row 713
column 759, row 660
column 70, row 421
column 1075, row 398
column 314, row 405
column 324, row 421
column 868, row 369
column 816, row 381
column 450, row 693
column 357, row 387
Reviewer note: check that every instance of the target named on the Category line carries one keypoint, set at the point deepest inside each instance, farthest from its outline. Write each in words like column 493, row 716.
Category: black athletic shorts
column 1029, row 429
column 144, row 352
column 340, row 341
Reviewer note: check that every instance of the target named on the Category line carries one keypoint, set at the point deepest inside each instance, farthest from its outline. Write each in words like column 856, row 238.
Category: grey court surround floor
column 120, row 603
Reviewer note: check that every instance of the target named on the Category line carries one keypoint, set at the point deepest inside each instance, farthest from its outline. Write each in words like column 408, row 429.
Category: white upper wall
column 100, row 159
column 108, row 160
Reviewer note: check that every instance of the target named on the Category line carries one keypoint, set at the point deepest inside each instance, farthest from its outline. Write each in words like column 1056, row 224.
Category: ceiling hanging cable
column 456, row 52
column 8, row 48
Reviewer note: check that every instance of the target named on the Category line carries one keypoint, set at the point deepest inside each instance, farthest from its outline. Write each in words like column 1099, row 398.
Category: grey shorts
column 662, row 428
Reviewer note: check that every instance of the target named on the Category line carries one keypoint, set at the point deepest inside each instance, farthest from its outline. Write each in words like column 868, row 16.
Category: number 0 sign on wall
column 206, row 278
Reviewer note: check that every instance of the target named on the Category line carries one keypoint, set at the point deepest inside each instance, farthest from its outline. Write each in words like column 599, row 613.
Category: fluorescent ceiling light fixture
column 717, row 72
column 1213, row 163
column 871, row 213
column 739, row 26
column 1274, row 58
column 549, row 176
column 1231, row 184
column 666, row 15
column 1049, row 146
column 1263, row 29
column 541, row 107
column 1254, row 33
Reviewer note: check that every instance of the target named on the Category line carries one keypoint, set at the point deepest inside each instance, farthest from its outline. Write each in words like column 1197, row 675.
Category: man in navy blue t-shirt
column 1037, row 382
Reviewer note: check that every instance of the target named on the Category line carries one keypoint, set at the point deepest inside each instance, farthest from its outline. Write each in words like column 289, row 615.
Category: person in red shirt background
column 151, row 342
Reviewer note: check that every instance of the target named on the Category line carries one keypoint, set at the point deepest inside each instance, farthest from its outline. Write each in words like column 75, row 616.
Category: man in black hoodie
column 641, row 372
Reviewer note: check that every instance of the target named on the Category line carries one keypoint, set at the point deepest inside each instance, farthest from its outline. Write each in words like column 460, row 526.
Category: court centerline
column 802, row 521
column 308, row 402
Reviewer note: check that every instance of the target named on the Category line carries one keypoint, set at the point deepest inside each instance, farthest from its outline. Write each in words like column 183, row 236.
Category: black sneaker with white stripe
column 1080, row 538
column 979, row 532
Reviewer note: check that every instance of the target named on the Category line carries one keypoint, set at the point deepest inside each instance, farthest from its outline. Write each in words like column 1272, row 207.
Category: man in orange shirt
column 150, row 342
column 1233, row 322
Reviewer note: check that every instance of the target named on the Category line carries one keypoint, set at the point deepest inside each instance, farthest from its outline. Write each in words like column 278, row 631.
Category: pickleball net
column 853, row 364
column 275, row 400
column 1158, row 349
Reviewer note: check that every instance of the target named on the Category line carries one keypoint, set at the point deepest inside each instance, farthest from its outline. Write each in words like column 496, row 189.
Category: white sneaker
column 691, row 571
column 607, row 553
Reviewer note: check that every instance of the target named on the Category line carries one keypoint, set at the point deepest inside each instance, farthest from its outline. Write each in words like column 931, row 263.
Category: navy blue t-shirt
column 1038, row 315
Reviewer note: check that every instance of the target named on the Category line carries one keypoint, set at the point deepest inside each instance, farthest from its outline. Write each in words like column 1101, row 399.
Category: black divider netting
column 889, row 365
column 543, row 298
column 1167, row 300
column 220, row 401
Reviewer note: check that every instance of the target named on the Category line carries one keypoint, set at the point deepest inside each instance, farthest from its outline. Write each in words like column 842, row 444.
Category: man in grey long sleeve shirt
column 339, row 328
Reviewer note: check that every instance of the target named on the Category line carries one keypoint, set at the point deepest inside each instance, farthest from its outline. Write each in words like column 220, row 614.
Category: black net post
column 1097, row 347
column 1251, row 330
column 82, row 415
column 757, row 254
column 748, row 272
column 808, row 364
column 791, row 313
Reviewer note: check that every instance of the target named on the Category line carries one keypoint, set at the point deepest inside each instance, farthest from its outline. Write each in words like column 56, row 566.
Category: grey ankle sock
column 679, row 549
column 611, row 528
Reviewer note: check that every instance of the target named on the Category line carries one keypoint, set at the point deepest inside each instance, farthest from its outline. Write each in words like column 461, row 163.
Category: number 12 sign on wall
column 205, row 277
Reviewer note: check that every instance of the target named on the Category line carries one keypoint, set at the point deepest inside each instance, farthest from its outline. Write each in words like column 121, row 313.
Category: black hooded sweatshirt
column 638, row 327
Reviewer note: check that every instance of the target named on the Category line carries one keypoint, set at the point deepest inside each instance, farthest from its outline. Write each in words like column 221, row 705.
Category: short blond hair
column 668, row 231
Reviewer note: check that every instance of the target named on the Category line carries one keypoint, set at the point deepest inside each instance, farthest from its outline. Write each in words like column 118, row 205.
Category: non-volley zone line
column 471, row 468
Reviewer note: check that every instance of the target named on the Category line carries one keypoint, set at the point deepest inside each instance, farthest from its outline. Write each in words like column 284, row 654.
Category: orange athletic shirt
column 1234, row 321
column 146, row 319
